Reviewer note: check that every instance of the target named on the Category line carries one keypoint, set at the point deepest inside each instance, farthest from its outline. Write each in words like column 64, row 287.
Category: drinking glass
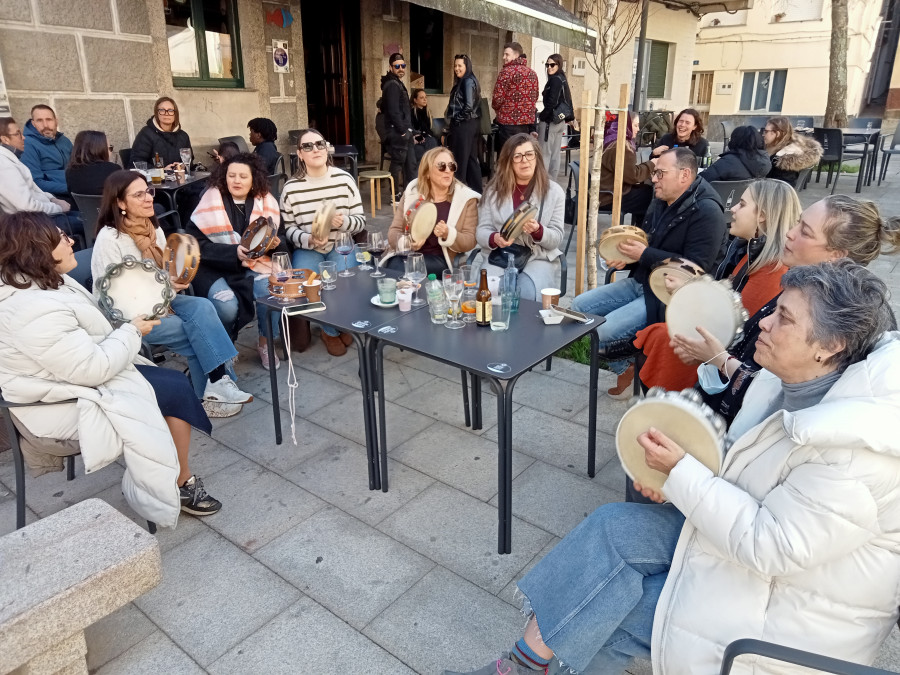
column 140, row 166
column 453, row 287
column 416, row 273
column 377, row 245
column 327, row 271
column 362, row 256
column 404, row 245
column 281, row 269
column 344, row 246
column 186, row 155
column 470, row 283
column 501, row 312
column 439, row 309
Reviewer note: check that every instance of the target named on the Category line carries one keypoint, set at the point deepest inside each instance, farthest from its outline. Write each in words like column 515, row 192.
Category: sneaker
column 195, row 500
column 217, row 409
column 505, row 666
column 264, row 357
column 225, row 391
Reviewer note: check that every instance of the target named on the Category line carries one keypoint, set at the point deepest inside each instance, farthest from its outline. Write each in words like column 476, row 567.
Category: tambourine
column 422, row 222
column 291, row 286
column 683, row 417
column 608, row 246
column 321, row 224
column 712, row 304
column 181, row 257
column 134, row 288
column 682, row 269
column 512, row 228
column 260, row 237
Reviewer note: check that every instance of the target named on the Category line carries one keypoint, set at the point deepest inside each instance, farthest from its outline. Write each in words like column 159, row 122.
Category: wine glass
column 377, row 245
column 453, row 287
column 416, row 273
column 186, row 155
column 362, row 256
column 281, row 270
column 344, row 245
column 404, row 245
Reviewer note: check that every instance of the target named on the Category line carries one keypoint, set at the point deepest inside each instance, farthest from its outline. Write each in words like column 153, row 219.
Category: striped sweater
column 302, row 196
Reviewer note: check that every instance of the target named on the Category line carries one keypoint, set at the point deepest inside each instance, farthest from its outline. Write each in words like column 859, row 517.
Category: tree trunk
column 836, row 107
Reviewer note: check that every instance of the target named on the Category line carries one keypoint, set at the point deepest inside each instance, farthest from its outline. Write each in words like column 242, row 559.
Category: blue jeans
column 228, row 309
column 195, row 332
column 310, row 259
column 622, row 303
column 595, row 593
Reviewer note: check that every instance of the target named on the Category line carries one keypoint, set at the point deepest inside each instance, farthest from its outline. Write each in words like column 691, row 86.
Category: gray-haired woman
column 796, row 539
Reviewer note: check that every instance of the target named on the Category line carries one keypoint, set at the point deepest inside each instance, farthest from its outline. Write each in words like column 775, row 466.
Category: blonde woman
column 790, row 153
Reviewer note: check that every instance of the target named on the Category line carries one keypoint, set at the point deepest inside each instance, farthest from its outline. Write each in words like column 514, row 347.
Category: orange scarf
column 144, row 235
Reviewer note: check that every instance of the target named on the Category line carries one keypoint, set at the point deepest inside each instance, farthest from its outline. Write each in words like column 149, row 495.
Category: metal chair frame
column 794, row 656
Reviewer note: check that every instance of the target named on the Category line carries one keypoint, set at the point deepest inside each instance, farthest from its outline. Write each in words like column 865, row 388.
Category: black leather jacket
column 464, row 104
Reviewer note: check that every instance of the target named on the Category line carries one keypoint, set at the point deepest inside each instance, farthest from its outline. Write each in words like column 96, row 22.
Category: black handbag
column 521, row 253
column 564, row 112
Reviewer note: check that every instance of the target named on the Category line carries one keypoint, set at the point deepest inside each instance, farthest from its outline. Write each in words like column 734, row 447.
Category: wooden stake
column 587, row 113
column 620, row 156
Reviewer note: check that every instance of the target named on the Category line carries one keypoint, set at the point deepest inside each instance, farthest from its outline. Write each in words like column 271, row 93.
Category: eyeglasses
column 524, row 156
column 143, row 194
column 315, row 145
column 769, row 131
column 166, row 111
column 18, row 133
column 659, row 173
column 66, row 237
column 550, row 65
column 444, row 166
column 399, row 66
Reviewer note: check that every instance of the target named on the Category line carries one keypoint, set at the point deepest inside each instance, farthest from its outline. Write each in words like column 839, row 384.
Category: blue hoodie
column 47, row 159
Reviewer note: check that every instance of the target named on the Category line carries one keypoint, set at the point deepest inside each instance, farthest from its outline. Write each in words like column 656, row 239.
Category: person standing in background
column 557, row 111
column 463, row 125
column 515, row 95
column 394, row 103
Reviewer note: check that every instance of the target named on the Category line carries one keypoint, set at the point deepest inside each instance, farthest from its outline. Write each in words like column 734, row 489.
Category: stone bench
column 63, row 573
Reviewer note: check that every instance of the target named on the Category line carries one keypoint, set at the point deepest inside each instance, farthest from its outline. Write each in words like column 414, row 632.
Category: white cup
column 404, row 299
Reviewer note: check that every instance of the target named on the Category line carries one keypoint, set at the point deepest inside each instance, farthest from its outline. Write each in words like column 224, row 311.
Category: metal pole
column 638, row 100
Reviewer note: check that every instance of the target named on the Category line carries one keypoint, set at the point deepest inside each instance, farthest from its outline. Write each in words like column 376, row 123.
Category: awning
column 542, row 18
column 700, row 7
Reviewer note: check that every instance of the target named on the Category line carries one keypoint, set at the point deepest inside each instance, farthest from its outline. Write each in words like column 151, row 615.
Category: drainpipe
column 638, row 101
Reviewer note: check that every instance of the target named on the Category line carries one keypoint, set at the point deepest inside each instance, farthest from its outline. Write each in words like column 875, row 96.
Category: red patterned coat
column 516, row 93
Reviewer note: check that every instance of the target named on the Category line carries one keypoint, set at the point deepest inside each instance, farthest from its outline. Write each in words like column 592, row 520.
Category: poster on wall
column 4, row 99
column 280, row 57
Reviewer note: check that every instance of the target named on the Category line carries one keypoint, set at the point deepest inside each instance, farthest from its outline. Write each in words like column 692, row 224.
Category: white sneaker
column 225, row 391
column 216, row 409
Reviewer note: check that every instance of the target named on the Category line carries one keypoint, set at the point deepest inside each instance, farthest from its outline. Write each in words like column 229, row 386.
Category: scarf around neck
column 144, row 235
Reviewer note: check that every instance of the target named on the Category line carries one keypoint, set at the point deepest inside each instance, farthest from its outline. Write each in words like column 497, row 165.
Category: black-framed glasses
column 143, row 194
column 522, row 156
column 166, row 111
column 659, row 173
column 313, row 145
column 445, row 166
column 398, row 66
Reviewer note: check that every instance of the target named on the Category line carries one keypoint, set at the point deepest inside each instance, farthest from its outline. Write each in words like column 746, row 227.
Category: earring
column 123, row 212
column 818, row 359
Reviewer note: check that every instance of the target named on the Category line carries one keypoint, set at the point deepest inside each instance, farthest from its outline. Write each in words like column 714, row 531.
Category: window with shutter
column 657, row 70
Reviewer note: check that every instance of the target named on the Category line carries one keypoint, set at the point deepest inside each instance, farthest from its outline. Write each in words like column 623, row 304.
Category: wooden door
column 325, row 55
column 701, row 94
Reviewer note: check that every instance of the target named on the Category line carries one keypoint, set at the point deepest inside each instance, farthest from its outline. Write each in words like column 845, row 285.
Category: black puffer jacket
column 693, row 227
column 739, row 165
column 464, row 103
column 151, row 140
column 395, row 105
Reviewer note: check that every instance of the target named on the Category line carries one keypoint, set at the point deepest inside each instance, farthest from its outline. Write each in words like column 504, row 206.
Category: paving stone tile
column 889, row 656
column 609, row 412
column 423, row 363
column 115, row 634
column 351, row 569
column 8, row 512
column 446, row 622
column 457, row 458
column 345, row 417
column 399, row 379
column 508, row 594
column 537, row 490
column 315, row 391
column 340, row 476
column 460, row 533
column 578, row 373
column 258, row 504
column 209, row 455
column 543, row 392
column 442, row 400
column 151, row 656
column 213, row 595
column 612, row 475
column 307, row 634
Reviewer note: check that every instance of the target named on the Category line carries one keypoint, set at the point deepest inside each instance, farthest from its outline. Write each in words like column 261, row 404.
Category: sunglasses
column 166, row 111
column 445, row 166
column 399, row 66
column 143, row 194
column 314, row 145
column 550, row 65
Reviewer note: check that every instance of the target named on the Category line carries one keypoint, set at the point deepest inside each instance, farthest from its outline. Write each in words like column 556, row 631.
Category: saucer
column 375, row 301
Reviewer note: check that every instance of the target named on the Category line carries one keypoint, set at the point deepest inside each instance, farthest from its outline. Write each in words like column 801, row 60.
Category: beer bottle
column 483, row 302
column 158, row 170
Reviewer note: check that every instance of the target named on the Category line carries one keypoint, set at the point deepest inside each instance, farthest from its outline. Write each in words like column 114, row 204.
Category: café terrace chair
column 125, row 158
column 730, row 191
column 239, row 141
column 815, row 662
column 727, row 130
column 832, row 142
column 886, row 153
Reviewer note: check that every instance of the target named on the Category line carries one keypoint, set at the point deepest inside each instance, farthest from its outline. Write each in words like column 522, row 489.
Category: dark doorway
column 426, row 44
column 332, row 61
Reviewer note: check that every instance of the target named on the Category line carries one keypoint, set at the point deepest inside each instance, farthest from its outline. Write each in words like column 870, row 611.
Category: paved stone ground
column 305, row 570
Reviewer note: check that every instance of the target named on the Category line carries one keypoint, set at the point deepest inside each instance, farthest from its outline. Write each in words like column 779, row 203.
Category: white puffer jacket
column 800, row 543
column 57, row 345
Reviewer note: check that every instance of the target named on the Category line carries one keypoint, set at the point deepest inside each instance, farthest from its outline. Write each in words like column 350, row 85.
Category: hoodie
column 739, row 165
column 47, row 159
column 515, row 93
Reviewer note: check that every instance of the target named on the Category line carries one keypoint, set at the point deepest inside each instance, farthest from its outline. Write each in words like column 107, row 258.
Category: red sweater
column 515, row 93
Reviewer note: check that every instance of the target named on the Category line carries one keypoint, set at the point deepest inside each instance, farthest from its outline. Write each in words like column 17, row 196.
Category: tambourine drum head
column 258, row 238
column 693, row 432
column 321, row 224
column 423, row 222
column 135, row 292
column 710, row 305
column 514, row 225
column 179, row 261
column 677, row 267
column 608, row 246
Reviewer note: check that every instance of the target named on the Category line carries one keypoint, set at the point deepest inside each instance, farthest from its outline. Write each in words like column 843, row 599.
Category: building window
column 426, row 45
column 204, row 45
column 763, row 90
column 713, row 19
column 657, row 69
column 784, row 11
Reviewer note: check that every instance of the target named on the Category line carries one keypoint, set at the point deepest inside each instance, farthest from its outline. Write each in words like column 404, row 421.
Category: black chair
column 797, row 657
column 276, row 185
column 125, row 158
column 82, row 273
column 279, row 164
column 757, row 122
column 887, row 153
column 803, row 179
column 239, row 141
column 730, row 191
column 89, row 207
column 727, row 130
column 863, row 146
column 832, row 142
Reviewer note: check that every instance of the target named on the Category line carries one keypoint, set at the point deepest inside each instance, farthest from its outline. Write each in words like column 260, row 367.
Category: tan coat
column 632, row 174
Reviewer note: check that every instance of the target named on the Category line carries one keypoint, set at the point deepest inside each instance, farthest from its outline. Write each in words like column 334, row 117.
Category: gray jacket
column 491, row 219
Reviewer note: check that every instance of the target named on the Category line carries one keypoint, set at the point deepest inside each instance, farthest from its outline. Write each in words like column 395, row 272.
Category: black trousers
column 507, row 131
column 463, row 143
column 403, row 158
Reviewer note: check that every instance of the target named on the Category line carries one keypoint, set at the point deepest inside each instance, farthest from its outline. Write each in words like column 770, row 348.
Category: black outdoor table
column 500, row 357
column 868, row 138
column 170, row 188
column 350, row 310
column 349, row 154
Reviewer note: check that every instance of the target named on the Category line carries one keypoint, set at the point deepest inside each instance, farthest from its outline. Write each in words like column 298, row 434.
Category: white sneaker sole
column 215, row 399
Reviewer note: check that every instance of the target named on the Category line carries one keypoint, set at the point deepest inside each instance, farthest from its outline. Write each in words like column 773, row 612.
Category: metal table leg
column 476, row 402
column 273, row 379
column 592, row 403
column 378, row 369
column 504, row 391
column 465, row 395
column 365, row 377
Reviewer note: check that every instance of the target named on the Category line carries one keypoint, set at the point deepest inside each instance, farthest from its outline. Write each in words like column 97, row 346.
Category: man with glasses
column 394, row 105
column 515, row 95
column 47, row 151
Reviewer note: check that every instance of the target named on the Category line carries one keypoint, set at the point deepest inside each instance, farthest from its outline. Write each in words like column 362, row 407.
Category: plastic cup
column 387, row 290
column 404, row 299
column 494, row 288
column 313, row 290
column 549, row 296
column 328, row 274
column 500, row 315
column 440, row 309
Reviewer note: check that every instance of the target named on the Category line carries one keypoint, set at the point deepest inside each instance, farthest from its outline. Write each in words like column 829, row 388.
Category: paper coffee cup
column 549, row 296
column 312, row 290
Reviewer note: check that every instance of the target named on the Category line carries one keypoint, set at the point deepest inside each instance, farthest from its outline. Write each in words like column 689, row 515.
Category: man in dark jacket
column 515, row 95
column 47, row 151
column 398, row 123
column 263, row 134
column 685, row 219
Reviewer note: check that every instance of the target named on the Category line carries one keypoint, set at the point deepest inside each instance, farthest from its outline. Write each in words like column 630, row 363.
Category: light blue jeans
column 228, row 309
column 196, row 332
column 622, row 303
column 595, row 593
column 304, row 257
